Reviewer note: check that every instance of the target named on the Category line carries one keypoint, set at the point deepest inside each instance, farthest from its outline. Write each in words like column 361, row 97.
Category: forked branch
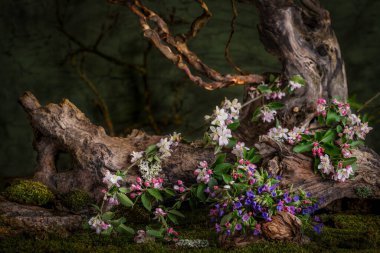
column 176, row 50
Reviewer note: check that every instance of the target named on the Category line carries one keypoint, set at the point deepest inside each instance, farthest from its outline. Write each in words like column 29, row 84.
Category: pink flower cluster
column 343, row 108
column 203, row 173
column 140, row 185
column 317, row 149
column 179, row 187
column 321, row 107
column 171, row 234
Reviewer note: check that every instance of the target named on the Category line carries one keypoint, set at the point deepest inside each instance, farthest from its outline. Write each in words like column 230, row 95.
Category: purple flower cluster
column 244, row 210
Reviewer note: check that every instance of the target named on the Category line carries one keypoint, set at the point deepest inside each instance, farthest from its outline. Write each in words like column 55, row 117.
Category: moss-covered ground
column 342, row 233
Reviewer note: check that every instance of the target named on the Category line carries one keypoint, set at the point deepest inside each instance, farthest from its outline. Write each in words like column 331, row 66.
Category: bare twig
column 199, row 22
column 369, row 101
column 227, row 48
column 102, row 104
column 147, row 93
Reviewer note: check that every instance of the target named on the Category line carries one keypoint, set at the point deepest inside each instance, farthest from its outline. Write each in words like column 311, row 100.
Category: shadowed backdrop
column 94, row 54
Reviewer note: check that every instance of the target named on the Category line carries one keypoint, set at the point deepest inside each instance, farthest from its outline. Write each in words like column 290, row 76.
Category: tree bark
column 64, row 128
column 301, row 37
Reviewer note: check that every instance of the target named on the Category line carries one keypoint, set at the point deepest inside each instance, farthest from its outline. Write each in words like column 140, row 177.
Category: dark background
column 37, row 53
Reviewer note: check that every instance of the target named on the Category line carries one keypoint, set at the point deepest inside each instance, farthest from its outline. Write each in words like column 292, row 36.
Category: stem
column 369, row 101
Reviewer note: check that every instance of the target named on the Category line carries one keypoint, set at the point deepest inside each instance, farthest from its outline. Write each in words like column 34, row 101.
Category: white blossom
column 342, row 174
column 294, row 85
column 224, row 135
column 110, row 179
column 239, row 148
column 164, row 147
column 278, row 133
column 267, row 115
column 136, row 156
column 98, row 225
column 325, row 166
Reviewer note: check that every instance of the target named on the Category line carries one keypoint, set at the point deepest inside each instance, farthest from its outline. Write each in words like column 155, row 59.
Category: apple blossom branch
column 176, row 50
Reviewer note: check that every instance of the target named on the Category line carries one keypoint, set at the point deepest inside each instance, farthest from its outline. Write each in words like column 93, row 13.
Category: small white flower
column 342, row 174
column 267, row 115
column 294, row 85
column 136, row 156
column 325, row 166
column 224, row 135
column 354, row 120
column 175, row 137
column 227, row 187
column 220, row 117
column 239, row 148
column 110, row 180
column 164, row 147
column 278, row 133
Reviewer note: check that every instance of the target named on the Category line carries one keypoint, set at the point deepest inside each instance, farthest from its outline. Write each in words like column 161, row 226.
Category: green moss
column 29, row 192
column 364, row 192
column 77, row 200
column 343, row 233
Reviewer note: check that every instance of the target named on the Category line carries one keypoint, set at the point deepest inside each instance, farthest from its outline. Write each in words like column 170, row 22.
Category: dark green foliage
column 77, row 200
column 29, row 192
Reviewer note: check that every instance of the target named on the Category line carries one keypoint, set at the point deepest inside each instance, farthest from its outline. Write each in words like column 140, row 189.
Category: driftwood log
column 64, row 128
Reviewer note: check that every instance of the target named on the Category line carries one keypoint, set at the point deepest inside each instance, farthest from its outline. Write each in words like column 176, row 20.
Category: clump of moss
column 29, row 192
column 77, row 200
column 364, row 192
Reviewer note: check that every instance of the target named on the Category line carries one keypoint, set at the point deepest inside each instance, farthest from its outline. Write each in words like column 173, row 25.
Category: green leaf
column 231, row 142
column 222, row 168
column 355, row 144
column 212, row 182
column 124, row 190
column 107, row 216
column 328, row 136
column 200, row 192
column 155, row 193
column 173, row 218
column 226, row 218
column 298, row 79
column 124, row 229
column 170, row 192
column 264, row 88
column 332, row 117
column 255, row 158
column 219, row 159
column 332, row 150
column 339, row 128
column 124, row 199
column 275, row 106
column 151, row 149
column 233, row 126
column 303, row 147
column 107, row 231
column 155, row 233
column 256, row 114
column 227, row 178
column 177, row 213
column 349, row 161
column 146, row 202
